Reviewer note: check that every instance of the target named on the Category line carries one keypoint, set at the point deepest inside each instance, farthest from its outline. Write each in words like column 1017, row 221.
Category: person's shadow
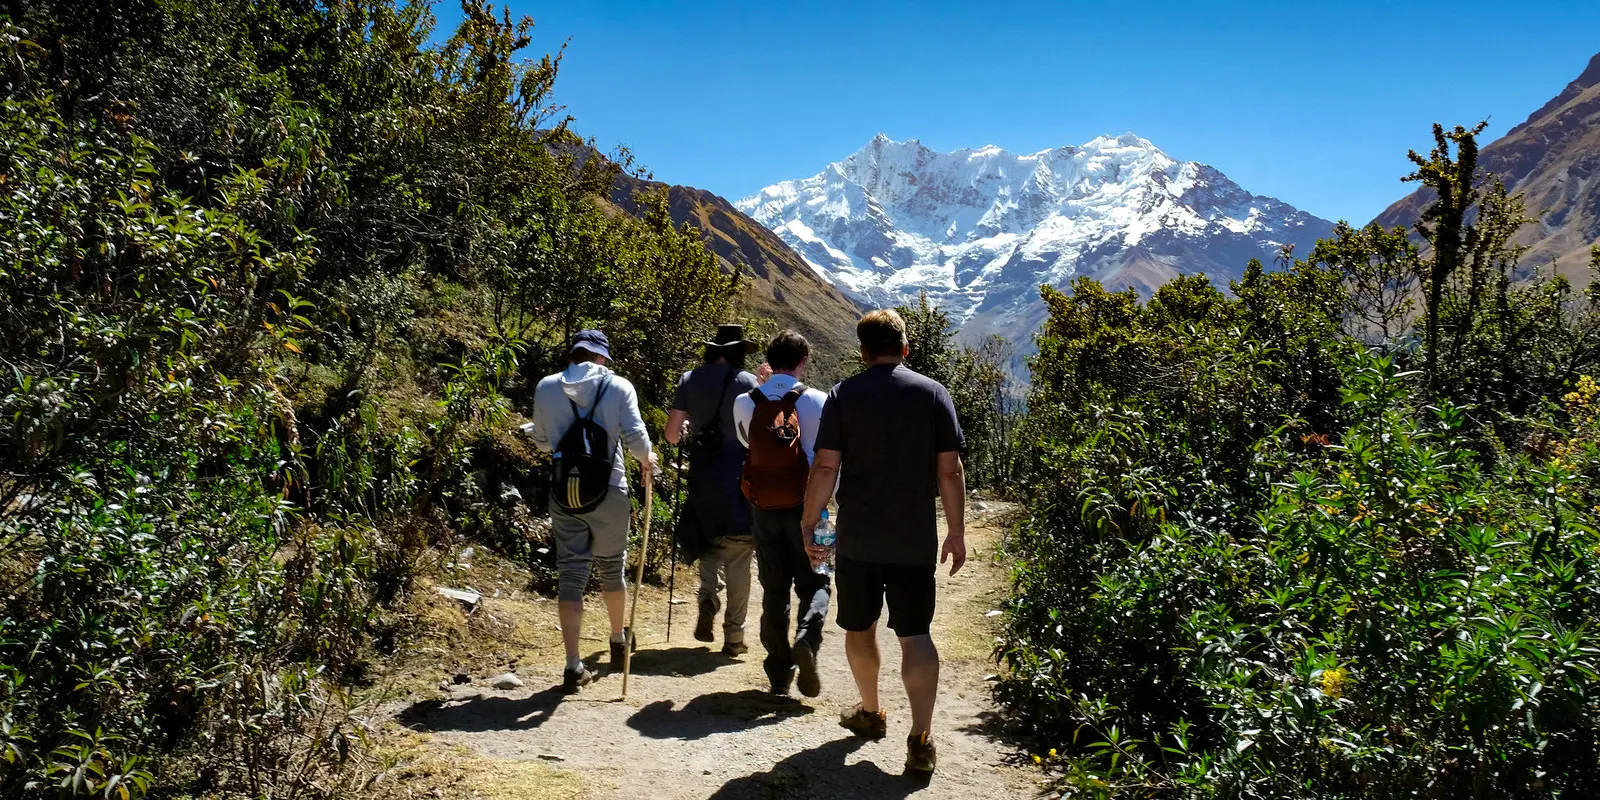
column 482, row 713
column 821, row 773
column 685, row 662
column 716, row 712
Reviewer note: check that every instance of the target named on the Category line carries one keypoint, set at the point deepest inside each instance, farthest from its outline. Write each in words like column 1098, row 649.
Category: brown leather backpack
column 775, row 469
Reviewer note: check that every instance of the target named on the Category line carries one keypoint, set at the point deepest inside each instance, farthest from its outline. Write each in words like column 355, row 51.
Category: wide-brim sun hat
column 728, row 335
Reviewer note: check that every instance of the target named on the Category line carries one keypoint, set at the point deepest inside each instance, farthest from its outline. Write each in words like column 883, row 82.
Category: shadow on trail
column 483, row 713
column 1011, row 738
column 686, row 662
column 717, row 712
column 822, row 773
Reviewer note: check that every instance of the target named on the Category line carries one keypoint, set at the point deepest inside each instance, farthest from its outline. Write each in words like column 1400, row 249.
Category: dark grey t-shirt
column 706, row 395
column 890, row 424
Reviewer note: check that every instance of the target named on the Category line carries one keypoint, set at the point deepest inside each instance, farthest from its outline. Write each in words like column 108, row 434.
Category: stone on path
column 466, row 598
column 507, row 680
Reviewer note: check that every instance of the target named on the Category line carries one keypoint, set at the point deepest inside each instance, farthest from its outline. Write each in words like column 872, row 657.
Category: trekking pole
column 638, row 582
column 677, row 512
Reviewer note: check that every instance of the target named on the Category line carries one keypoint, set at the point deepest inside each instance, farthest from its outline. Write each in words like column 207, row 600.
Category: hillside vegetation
column 277, row 276
column 1331, row 535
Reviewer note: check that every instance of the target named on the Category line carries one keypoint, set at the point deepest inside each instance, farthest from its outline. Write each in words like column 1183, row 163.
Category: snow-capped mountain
column 979, row 230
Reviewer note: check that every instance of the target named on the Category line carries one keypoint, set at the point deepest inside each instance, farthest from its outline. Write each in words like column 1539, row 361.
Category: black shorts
column 863, row 585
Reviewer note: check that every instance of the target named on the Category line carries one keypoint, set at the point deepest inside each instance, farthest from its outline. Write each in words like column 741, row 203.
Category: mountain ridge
column 1553, row 159
column 979, row 229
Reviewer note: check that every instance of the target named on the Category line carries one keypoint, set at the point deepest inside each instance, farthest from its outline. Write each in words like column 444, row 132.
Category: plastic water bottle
column 824, row 536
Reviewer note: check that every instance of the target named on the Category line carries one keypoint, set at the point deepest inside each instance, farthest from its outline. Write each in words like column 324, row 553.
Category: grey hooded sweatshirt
column 618, row 412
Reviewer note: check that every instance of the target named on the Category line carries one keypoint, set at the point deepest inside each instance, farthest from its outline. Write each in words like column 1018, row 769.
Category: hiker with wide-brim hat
column 715, row 526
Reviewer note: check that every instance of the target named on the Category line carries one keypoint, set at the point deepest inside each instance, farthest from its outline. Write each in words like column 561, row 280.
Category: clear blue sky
column 1314, row 102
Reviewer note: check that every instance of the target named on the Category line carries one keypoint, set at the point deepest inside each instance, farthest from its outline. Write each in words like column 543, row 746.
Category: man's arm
column 677, row 421
column 635, row 436
column 678, row 412
column 744, row 407
column 953, row 493
column 820, row 483
column 541, row 424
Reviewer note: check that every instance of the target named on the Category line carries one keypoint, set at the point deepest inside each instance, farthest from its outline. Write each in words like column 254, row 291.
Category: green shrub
column 1265, row 560
column 276, row 275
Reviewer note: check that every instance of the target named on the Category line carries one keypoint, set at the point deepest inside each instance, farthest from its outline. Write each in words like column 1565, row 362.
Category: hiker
column 890, row 439
column 778, row 424
column 715, row 524
column 592, row 413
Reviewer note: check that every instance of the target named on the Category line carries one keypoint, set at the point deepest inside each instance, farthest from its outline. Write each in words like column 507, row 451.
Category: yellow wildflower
column 1334, row 680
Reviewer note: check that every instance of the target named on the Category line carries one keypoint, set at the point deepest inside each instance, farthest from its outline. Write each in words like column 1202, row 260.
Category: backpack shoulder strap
column 794, row 394
column 757, row 396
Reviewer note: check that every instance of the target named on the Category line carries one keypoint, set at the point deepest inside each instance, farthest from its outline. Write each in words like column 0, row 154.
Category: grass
column 431, row 769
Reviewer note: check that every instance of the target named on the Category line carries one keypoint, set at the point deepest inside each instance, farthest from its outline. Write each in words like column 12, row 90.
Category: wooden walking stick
column 638, row 581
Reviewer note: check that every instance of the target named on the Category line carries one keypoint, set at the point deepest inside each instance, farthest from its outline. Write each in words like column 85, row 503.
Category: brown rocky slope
column 1553, row 159
column 778, row 285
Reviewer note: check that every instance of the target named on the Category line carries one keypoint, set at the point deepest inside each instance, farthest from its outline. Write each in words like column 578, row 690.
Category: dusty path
column 699, row 725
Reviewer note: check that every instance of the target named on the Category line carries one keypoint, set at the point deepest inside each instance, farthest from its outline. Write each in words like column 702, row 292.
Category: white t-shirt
column 808, row 408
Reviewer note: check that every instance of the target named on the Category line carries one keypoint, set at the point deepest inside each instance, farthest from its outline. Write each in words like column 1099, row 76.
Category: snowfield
column 980, row 230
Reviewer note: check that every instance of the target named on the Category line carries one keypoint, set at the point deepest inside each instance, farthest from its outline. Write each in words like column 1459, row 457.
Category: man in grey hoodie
column 599, row 537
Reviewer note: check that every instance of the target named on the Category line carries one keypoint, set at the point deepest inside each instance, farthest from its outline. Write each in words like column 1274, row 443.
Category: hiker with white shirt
column 585, row 416
column 778, row 423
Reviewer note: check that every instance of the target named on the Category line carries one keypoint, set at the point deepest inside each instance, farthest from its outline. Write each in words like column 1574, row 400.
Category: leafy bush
column 1266, row 559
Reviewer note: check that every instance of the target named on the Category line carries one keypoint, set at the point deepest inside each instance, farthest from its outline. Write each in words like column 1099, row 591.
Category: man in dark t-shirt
column 890, row 438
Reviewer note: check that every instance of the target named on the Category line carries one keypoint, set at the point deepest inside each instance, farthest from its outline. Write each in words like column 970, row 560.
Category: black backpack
column 581, row 473
column 710, row 440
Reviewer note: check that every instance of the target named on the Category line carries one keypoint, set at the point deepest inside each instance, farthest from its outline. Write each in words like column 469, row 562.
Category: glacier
column 979, row 230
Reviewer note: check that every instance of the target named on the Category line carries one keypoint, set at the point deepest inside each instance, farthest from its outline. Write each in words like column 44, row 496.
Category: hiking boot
column 618, row 653
column 573, row 679
column 921, row 755
column 864, row 723
column 734, row 649
column 780, row 685
column 805, row 662
column 702, row 627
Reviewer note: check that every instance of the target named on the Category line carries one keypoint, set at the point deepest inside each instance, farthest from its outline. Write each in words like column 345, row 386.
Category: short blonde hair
column 882, row 333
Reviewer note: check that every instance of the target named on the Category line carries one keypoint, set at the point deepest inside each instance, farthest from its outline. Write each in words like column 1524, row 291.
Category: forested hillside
column 778, row 288
column 277, row 278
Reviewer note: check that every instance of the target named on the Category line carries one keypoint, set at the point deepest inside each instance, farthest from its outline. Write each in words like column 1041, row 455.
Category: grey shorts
column 598, row 536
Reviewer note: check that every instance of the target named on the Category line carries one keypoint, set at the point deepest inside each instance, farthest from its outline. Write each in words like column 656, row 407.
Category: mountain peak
column 980, row 229
column 1591, row 75
column 1588, row 79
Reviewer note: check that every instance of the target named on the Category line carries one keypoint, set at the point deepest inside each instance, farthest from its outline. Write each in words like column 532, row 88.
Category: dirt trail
column 698, row 724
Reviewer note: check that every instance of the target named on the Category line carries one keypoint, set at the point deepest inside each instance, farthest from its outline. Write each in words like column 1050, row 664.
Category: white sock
column 574, row 663
column 619, row 637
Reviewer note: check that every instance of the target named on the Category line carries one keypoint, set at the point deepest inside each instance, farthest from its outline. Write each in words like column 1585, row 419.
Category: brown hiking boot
column 864, row 723
column 734, row 649
column 921, row 755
